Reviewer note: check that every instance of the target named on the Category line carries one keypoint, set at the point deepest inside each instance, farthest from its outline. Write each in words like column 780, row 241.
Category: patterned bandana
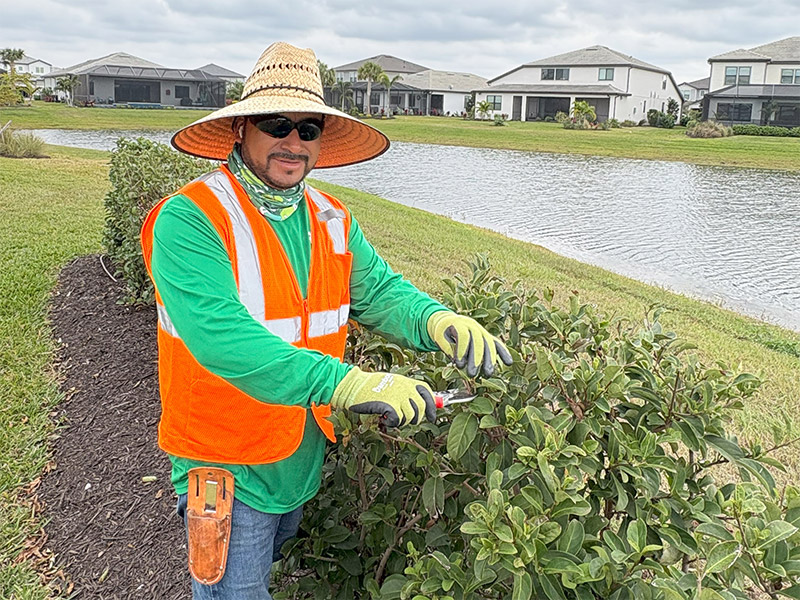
column 277, row 205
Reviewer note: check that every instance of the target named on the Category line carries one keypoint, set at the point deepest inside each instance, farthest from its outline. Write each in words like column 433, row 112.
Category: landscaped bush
column 628, row 123
column 652, row 117
column 584, row 471
column 499, row 120
column 14, row 144
column 562, row 117
column 613, row 123
column 656, row 118
column 708, row 129
column 766, row 130
column 142, row 172
column 685, row 118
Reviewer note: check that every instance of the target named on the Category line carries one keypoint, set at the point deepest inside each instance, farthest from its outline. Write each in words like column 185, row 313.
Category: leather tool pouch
column 209, row 508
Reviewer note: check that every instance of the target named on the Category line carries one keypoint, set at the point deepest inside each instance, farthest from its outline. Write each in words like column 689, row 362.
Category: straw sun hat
column 285, row 80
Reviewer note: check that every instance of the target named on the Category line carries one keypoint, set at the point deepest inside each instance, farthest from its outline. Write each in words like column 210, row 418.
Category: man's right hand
column 400, row 400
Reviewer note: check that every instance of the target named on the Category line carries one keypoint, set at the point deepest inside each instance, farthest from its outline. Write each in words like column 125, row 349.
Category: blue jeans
column 256, row 540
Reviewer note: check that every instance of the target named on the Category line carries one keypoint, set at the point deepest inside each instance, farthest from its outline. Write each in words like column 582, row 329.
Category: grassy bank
column 635, row 142
column 53, row 212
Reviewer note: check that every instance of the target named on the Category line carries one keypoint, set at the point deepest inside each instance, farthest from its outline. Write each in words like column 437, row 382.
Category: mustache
column 288, row 156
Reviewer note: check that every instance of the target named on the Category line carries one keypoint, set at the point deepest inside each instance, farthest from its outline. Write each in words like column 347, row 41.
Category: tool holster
column 209, row 509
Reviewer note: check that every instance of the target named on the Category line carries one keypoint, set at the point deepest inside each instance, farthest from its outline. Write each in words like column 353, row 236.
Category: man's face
column 279, row 162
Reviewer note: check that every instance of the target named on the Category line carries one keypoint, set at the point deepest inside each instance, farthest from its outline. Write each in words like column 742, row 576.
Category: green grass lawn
column 52, row 212
column 634, row 142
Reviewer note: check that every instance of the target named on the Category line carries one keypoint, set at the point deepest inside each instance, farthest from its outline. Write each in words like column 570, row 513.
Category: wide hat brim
column 345, row 140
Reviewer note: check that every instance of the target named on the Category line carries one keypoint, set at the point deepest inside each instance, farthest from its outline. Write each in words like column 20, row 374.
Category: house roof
column 26, row 60
column 543, row 88
column 214, row 69
column 785, row 50
column 386, row 62
column 117, row 59
column 128, row 66
column 758, row 91
column 378, row 87
column 444, row 81
column 700, row 84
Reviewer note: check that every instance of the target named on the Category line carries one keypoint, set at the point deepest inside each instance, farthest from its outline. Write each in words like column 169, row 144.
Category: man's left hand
column 466, row 342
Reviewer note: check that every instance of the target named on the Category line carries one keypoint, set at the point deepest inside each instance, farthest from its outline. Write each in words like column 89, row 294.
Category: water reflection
column 730, row 235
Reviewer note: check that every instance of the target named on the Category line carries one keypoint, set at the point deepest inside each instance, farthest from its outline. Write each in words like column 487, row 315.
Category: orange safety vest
column 204, row 417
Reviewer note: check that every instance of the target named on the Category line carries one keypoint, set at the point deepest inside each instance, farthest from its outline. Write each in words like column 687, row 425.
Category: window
column 467, row 100
column 555, row 74
column 605, row 74
column 702, row 93
column 686, row 95
column 734, row 112
column 181, row 91
column 495, row 101
column 664, row 82
column 790, row 75
column 91, row 87
column 737, row 75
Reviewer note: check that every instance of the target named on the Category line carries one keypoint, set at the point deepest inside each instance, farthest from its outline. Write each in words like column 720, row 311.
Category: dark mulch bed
column 114, row 535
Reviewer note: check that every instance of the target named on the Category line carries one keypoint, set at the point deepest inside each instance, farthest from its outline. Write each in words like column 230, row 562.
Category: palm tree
column 370, row 72
column 343, row 88
column 233, row 90
column 388, row 83
column 483, row 107
column 67, row 84
column 10, row 56
column 328, row 77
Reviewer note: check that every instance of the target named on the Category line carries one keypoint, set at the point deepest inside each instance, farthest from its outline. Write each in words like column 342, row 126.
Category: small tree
column 10, row 56
column 67, row 84
column 583, row 111
column 233, row 90
column 672, row 108
column 388, row 83
column 482, row 108
column 343, row 88
column 369, row 72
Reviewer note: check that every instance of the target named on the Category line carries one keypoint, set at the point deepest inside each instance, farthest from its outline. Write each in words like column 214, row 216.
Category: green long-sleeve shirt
column 195, row 280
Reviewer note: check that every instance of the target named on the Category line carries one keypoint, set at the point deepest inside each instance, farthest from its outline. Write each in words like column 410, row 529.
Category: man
column 256, row 275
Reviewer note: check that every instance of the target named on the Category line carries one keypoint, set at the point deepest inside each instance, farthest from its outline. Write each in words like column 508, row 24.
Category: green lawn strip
column 54, row 115
column 52, row 212
column 629, row 142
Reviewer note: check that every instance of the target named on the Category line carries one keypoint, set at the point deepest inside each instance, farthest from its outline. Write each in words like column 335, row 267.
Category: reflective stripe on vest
column 251, row 287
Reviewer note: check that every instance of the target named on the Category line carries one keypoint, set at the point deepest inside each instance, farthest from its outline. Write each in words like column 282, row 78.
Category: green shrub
column 499, row 120
column 628, row 123
column 14, row 144
column 561, row 117
column 685, row 118
column 142, row 172
column 708, row 129
column 665, row 121
column 766, row 130
column 652, row 117
column 584, row 471
column 613, row 123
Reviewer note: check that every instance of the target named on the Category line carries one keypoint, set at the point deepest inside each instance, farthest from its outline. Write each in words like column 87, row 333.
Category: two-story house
column 757, row 85
column 693, row 92
column 618, row 86
column 38, row 69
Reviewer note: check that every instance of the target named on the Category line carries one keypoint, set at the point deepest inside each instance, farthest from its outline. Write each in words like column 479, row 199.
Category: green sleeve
column 195, row 280
column 384, row 301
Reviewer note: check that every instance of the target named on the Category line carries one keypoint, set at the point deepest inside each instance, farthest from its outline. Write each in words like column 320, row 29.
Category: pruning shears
column 448, row 397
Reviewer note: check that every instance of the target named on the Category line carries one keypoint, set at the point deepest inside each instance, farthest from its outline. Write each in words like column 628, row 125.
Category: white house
column 756, row 85
column 35, row 67
column 617, row 85
column 447, row 92
column 693, row 92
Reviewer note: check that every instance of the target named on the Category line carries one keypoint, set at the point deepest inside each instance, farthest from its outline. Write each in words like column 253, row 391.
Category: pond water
column 728, row 235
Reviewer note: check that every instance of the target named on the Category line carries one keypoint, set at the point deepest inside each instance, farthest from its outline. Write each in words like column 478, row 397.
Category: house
column 693, row 92
column 618, row 86
column 391, row 65
column 122, row 78
column 756, row 85
column 35, row 67
column 444, row 92
column 222, row 73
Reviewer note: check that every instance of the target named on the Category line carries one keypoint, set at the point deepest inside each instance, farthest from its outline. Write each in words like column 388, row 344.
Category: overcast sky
column 485, row 38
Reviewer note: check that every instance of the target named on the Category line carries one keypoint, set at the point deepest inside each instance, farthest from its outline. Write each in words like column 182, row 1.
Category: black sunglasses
column 280, row 127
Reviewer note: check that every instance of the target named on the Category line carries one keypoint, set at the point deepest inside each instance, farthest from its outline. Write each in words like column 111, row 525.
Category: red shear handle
column 439, row 401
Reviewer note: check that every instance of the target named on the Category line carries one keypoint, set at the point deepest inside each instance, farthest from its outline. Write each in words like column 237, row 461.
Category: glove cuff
column 348, row 387
column 434, row 320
